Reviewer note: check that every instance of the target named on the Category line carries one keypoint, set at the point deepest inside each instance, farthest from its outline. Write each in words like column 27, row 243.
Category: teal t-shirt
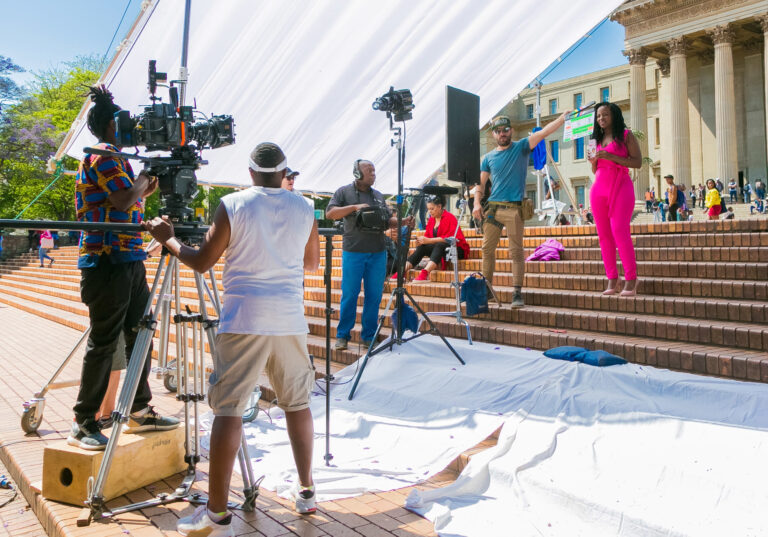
column 508, row 169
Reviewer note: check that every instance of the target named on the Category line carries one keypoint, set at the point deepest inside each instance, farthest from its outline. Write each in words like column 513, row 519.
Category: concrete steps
column 703, row 305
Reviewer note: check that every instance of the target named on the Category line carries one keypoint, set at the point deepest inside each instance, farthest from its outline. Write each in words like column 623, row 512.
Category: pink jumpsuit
column 613, row 200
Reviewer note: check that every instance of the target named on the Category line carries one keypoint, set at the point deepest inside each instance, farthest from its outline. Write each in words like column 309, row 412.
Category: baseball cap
column 669, row 175
column 500, row 121
column 290, row 173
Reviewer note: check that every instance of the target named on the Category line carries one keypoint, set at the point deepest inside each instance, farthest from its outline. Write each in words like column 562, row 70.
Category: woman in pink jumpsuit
column 612, row 196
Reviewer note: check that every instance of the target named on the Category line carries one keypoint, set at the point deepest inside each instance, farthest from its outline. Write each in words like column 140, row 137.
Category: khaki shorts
column 239, row 361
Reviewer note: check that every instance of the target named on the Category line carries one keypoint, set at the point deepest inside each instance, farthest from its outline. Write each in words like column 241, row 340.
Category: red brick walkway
column 16, row 517
column 32, row 348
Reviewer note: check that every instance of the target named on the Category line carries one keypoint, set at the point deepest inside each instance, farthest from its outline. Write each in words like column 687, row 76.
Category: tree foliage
column 30, row 131
column 9, row 90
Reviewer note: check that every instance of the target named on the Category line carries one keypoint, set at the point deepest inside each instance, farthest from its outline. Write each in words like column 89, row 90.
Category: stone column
column 638, row 111
column 665, row 113
column 678, row 80
column 764, row 23
column 725, row 104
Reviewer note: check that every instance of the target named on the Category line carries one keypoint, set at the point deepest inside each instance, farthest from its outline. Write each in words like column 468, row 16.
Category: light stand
column 399, row 293
column 328, row 234
column 453, row 257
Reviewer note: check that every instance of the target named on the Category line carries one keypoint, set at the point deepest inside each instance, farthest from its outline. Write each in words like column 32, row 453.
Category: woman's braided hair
column 102, row 111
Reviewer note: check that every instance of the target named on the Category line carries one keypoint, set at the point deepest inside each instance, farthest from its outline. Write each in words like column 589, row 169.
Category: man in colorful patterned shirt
column 113, row 281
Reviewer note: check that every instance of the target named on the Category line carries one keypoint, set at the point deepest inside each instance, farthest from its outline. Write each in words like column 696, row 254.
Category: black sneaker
column 341, row 344
column 149, row 421
column 517, row 299
column 87, row 435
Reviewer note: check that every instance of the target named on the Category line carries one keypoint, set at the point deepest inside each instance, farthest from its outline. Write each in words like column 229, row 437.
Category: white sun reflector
column 303, row 74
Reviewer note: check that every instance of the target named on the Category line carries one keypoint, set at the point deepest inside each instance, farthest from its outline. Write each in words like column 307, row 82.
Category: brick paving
column 33, row 347
column 16, row 517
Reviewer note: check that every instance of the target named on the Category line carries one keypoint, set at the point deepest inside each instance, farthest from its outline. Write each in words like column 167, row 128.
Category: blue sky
column 40, row 34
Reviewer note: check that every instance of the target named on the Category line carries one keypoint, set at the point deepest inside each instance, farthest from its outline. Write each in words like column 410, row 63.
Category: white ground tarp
column 624, row 450
column 619, row 451
column 303, row 73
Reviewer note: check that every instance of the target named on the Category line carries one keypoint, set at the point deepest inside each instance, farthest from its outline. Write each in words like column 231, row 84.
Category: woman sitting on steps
column 440, row 227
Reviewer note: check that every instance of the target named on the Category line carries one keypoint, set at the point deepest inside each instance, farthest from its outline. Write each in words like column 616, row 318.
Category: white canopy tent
column 303, row 74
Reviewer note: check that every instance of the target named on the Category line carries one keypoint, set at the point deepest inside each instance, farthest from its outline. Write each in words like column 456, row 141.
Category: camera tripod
column 191, row 385
column 399, row 293
column 190, row 378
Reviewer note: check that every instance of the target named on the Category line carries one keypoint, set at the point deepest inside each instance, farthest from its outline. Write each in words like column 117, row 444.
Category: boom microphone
column 440, row 190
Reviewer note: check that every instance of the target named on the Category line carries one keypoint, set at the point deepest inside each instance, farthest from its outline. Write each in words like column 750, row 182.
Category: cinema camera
column 397, row 103
column 170, row 127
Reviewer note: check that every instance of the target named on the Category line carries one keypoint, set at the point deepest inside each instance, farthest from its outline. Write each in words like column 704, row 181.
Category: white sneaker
column 305, row 500
column 199, row 524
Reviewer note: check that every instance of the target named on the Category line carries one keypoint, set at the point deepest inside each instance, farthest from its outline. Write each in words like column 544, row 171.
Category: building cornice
column 649, row 22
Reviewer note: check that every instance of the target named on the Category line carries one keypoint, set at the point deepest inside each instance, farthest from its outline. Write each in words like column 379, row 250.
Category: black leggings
column 436, row 252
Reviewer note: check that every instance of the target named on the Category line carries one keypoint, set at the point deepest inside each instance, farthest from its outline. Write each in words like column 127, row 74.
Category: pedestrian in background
column 714, row 201
column 46, row 243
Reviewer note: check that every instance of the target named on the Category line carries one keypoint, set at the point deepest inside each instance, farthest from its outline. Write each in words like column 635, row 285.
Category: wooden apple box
column 140, row 459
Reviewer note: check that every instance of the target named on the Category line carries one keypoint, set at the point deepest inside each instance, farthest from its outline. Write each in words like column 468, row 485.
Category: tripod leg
column 132, row 378
column 493, row 292
column 250, row 484
column 250, row 488
column 433, row 328
column 182, row 362
column 165, row 324
column 387, row 344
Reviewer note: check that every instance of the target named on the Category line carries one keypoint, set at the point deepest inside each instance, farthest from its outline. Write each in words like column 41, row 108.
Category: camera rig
column 170, row 127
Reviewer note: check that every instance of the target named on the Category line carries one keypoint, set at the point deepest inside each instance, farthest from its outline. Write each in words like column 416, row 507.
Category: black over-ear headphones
column 356, row 173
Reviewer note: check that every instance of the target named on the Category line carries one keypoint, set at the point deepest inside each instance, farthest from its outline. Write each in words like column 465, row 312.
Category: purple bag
column 549, row 250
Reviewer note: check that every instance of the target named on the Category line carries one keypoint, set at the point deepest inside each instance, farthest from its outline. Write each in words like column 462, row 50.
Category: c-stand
column 400, row 292
column 453, row 257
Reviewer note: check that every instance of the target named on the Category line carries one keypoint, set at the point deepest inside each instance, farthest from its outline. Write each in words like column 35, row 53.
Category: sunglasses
column 500, row 130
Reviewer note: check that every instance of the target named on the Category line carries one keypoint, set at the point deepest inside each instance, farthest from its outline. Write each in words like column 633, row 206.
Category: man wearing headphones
column 364, row 255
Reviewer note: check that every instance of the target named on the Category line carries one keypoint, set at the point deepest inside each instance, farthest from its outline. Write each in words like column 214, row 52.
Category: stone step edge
column 52, row 515
column 605, row 340
column 668, row 320
column 71, row 286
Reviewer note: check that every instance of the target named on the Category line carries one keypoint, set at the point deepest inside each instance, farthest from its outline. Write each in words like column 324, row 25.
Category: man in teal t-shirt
column 507, row 166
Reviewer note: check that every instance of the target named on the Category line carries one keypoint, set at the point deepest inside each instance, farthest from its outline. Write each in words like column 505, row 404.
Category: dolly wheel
column 30, row 420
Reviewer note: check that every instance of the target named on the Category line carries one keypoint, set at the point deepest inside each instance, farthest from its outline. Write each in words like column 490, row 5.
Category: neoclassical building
column 695, row 84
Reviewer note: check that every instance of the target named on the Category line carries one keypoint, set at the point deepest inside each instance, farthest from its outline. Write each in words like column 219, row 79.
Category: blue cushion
column 572, row 354
column 601, row 358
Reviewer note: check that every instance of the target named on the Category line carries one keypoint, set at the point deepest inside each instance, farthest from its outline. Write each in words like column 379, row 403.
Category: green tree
column 9, row 90
column 30, row 132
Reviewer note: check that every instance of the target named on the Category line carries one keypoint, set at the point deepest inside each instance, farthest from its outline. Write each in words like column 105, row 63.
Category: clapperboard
column 580, row 123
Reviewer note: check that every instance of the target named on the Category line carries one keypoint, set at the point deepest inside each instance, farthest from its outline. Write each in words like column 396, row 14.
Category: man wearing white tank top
column 269, row 237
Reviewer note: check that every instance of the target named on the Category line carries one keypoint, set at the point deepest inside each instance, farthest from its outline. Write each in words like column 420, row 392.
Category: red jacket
column 447, row 227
